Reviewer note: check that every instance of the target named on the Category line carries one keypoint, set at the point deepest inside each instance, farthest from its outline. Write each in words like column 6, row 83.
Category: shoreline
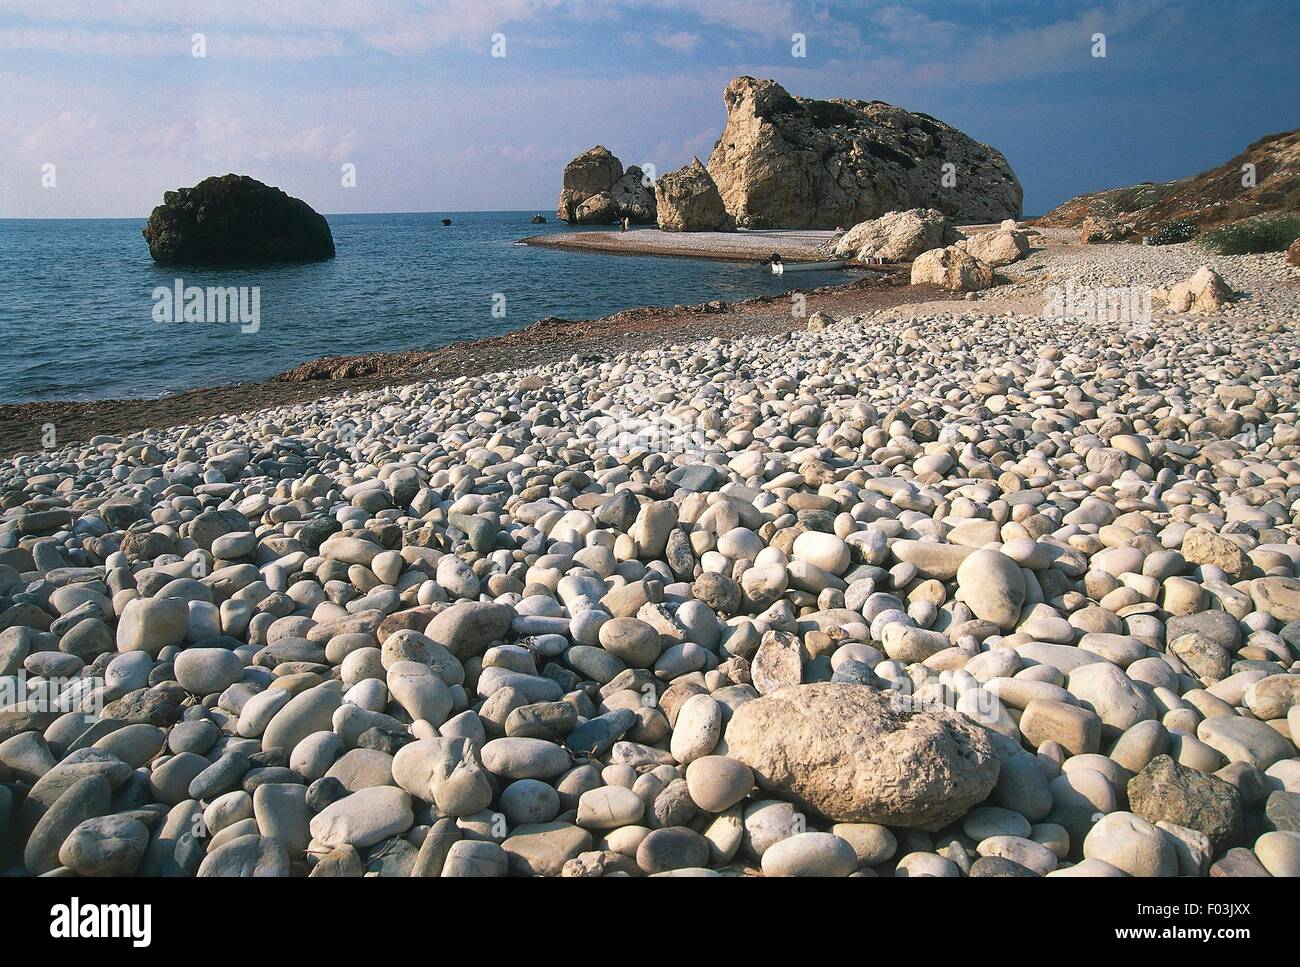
column 22, row 425
column 884, row 293
column 795, row 245
column 743, row 245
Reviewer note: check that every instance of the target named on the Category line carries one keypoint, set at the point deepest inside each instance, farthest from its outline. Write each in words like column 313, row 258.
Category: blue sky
column 408, row 91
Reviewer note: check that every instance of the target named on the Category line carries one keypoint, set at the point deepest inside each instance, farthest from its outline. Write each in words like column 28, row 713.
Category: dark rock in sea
column 235, row 219
column 539, row 219
column 446, row 221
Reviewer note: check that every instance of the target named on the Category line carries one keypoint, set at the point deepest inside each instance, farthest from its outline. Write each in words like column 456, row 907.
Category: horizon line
column 125, row 218
column 464, row 211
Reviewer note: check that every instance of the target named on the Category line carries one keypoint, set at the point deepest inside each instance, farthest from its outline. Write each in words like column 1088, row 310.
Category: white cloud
column 276, row 47
column 393, row 26
column 681, row 41
column 66, row 40
column 399, row 27
column 80, row 41
column 937, row 53
column 771, row 20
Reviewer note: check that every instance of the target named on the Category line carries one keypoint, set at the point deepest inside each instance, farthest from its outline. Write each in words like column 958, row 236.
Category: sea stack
column 235, row 219
column 792, row 162
column 598, row 191
column 688, row 201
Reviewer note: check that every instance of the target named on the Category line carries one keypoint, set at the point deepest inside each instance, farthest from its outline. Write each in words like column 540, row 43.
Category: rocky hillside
column 1214, row 197
column 791, row 162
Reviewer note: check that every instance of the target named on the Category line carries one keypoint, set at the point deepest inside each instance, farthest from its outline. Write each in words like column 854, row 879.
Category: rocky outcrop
column 851, row 754
column 897, row 237
column 1293, row 253
column 597, row 191
column 791, row 162
column 687, row 200
column 235, row 219
column 590, row 173
column 953, row 269
column 1214, row 197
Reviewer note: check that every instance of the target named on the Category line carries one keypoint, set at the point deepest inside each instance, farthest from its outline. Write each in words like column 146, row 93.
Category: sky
column 104, row 104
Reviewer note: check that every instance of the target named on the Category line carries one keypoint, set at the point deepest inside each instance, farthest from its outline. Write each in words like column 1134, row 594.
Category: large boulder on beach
column 953, row 269
column 898, row 236
column 1098, row 230
column 852, row 755
column 597, row 191
column 687, row 200
column 998, row 248
column 1204, row 293
column 235, row 219
column 793, row 162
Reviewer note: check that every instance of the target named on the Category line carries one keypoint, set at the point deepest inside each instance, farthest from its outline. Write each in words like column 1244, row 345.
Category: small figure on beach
column 624, row 224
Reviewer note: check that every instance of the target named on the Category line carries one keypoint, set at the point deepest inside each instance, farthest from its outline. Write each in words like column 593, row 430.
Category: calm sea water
column 77, row 304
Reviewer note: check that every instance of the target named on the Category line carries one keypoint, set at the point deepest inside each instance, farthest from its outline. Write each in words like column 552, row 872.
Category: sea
column 86, row 314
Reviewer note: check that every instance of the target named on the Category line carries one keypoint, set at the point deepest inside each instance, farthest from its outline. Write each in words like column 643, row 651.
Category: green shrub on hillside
column 1171, row 233
column 1272, row 233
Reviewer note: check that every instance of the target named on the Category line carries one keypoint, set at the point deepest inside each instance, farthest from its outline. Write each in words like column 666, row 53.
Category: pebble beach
column 957, row 588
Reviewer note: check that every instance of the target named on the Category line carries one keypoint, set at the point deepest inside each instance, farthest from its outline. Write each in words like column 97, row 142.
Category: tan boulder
column 897, row 237
column 953, row 269
column 1201, row 546
column 1097, row 230
column 687, row 200
column 997, row 248
column 819, row 320
column 857, row 756
column 1204, row 293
